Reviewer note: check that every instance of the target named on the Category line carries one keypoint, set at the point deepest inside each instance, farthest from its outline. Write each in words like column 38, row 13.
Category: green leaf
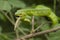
column 4, row 37
column 54, row 35
column 44, row 24
column 2, row 17
column 4, row 5
column 45, row 27
column 0, row 29
column 17, row 3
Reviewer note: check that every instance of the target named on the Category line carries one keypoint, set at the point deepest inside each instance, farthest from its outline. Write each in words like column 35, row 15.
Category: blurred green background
column 8, row 18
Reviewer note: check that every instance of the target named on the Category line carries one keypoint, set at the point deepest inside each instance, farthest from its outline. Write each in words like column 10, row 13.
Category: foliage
column 8, row 19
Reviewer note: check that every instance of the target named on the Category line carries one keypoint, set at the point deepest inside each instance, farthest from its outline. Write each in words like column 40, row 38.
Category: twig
column 21, row 31
column 11, row 16
column 46, row 36
column 8, row 17
column 39, row 26
column 40, row 33
column 54, row 6
column 42, row 25
column 32, row 31
column 17, row 27
column 32, row 24
column 17, row 23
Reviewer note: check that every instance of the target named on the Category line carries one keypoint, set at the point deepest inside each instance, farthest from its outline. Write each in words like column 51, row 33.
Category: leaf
column 17, row 3
column 4, row 37
column 54, row 35
column 2, row 17
column 4, row 5
column 44, row 24
column 45, row 27
column 0, row 29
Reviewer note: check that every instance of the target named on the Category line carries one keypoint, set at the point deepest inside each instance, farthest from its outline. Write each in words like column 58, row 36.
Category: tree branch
column 40, row 33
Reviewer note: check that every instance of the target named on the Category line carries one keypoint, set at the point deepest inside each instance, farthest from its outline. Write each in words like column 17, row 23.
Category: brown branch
column 40, row 33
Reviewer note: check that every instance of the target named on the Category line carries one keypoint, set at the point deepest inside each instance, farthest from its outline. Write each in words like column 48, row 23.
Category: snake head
column 23, row 15
column 20, row 13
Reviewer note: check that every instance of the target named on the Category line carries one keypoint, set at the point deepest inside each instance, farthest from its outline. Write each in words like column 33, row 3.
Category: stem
column 54, row 6
column 17, row 27
column 21, row 31
column 32, row 24
column 11, row 16
column 40, row 33
column 17, row 23
column 8, row 17
column 39, row 26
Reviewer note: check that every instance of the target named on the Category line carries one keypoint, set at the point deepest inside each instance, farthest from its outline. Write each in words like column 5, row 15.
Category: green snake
column 39, row 10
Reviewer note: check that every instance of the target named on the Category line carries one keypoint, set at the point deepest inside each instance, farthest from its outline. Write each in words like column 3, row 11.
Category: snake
column 40, row 11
